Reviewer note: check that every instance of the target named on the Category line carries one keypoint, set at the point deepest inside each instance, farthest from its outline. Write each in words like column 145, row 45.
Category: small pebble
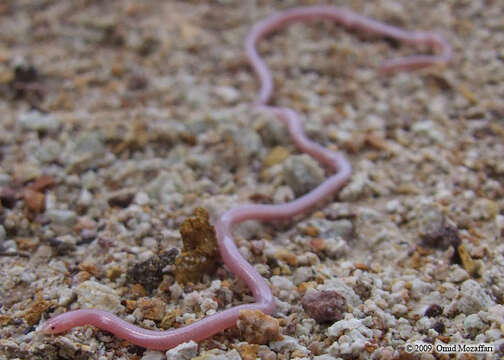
column 141, row 198
column 153, row 355
column 184, row 351
column 473, row 298
column 473, row 325
column 37, row 121
column 433, row 310
column 91, row 294
column 227, row 94
column 324, row 306
column 50, row 151
column 302, row 274
column 61, row 217
column 258, row 328
column 302, row 173
column 85, row 198
column 152, row 308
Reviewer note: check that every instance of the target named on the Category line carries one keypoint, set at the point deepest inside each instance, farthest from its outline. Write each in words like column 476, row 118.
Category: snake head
column 54, row 325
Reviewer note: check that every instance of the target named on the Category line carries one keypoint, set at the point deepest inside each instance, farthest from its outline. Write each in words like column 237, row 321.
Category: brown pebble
column 324, row 306
column 37, row 308
column 416, row 260
column 27, row 243
column 286, row 256
column 248, row 351
column 304, row 286
column 467, row 262
column 403, row 355
column 89, row 267
column 169, row 320
column 164, row 285
column 312, row 231
column 82, row 276
column 258, row 328
column 34, row 201
column 152, row 308
column 200, row 251
column 316, row 348
column 370, row 348
column 317, row 244
column 42, row 183
column 131, row 305
column 5, row 320
column 361, row 266
column 137, row 290
column 376, row 142
column 113, row 272
column 121, row 198
column 188, row 138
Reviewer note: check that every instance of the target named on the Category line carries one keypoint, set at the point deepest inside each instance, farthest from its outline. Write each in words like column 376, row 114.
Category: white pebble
column 153, row 355
column 37, row 121
column 184, row 351
column 227, row 94
column 141, row 198
column 91, row 294
column 474, row 298
column 85, row 198
column 281, row 283
column 399, row 309
column 61, row 217
column 473, row 324
column 65, row 296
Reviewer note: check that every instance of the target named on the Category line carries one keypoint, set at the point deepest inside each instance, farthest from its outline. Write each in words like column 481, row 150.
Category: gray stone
column 302, row 173
column 61, row 217
column 184, row 351
column 473, row 325
column 90, row 143
column 153, row 355
column 473, row 298
column 3, row 235
column 49, row 151
column 37, row 121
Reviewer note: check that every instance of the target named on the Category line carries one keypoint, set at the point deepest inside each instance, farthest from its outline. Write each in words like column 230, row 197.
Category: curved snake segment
column 264, row 300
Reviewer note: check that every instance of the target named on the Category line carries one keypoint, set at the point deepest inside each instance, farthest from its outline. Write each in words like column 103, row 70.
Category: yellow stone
column 113, row 272
column 467, row 261
column 276, row 156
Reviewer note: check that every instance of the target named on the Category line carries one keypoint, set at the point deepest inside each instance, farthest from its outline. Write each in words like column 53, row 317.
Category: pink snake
column 264, row 300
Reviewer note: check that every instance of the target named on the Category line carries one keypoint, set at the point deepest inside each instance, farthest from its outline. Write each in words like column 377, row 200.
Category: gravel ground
column 119, row 118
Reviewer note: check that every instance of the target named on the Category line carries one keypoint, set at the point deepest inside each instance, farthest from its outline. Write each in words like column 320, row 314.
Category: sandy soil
column 118, row 118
